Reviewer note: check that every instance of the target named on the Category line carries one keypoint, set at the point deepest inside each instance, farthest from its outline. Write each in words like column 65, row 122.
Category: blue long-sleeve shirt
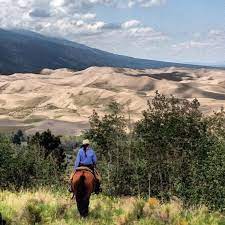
column 86, row 159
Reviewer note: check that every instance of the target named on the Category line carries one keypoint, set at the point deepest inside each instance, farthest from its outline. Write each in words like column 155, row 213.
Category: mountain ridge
column 24, row 51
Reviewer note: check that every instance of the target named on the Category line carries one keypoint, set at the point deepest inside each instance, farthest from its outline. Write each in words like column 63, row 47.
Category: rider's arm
column 77, row 162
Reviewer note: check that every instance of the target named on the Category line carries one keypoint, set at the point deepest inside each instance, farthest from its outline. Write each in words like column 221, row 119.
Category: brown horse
column 83, row 184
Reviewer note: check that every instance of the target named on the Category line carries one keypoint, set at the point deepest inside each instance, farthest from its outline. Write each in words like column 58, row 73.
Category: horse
column 83, row 184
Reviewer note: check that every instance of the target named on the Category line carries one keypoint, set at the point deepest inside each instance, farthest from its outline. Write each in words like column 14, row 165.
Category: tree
column 172, row 137
column 18, row 137
column 109, row 137
column 51, row 145
column 20, row 169
column 108, row 131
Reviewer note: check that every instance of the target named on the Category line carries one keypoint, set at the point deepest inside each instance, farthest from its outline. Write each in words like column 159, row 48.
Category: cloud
column 85, row 16
column 217, row 36
column 211, row 40
column 131, row 23
column 69, row 6
column 207, row 46
column 29, row 13
column 146, row 3
column 39, row 13
column 192, row 44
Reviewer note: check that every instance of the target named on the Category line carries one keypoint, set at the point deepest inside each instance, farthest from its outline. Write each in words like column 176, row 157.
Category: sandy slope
column 68, row 96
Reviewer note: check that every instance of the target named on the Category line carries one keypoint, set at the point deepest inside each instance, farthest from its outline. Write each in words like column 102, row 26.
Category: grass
column 56, row 208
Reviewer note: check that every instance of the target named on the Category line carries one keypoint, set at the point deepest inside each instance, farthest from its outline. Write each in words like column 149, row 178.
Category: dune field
column 63, row 100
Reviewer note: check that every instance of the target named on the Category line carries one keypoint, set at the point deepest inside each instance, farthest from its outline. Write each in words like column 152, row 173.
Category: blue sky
column 172, row 30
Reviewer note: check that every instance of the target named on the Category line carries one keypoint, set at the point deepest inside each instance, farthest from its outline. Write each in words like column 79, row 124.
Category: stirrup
column 70, row 189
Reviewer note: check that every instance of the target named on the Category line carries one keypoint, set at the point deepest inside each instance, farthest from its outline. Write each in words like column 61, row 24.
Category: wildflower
column 153, row 202
column 183, row 222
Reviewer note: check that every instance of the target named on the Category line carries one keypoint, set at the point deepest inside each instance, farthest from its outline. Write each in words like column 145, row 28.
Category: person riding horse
column 86, row 157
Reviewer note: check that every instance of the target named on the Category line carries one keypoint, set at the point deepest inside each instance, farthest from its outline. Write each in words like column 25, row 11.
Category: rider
column 87, row 157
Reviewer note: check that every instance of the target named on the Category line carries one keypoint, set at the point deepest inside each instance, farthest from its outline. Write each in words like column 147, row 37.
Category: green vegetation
column 40, row 162
column 174, row 150
column 56, row 208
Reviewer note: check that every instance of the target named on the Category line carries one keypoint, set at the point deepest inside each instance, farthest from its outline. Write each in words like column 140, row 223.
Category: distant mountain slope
column 25, row 51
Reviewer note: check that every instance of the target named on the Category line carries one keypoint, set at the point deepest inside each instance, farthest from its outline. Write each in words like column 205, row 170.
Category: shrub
column 173, row 150
column 25, row 166
column 50, row 145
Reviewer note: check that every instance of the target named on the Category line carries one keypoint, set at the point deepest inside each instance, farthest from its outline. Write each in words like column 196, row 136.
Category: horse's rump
column 95, row 172
column 83, row 182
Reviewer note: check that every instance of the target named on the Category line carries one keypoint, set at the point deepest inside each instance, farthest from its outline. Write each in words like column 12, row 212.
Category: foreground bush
column 56, row 208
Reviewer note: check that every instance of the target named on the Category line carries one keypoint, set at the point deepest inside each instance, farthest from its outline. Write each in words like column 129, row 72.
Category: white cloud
column 95, row 26
column 69, row 18
column 211, row 39
column 57, row 3
column 205, row 46
column 192, row 44
column 85, row 16
column 131, row 23
column 146, row 3
column 33, row 13
column 217, row 36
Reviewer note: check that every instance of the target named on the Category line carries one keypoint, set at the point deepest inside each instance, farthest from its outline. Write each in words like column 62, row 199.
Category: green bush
column 173, row 150
column 49, row 145
column 25, row 166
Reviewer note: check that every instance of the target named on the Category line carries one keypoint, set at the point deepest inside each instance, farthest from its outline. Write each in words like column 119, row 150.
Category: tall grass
column 56, row 208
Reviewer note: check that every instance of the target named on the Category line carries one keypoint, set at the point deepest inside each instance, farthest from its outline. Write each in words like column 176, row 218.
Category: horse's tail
column 82, row 178
column 81, row 185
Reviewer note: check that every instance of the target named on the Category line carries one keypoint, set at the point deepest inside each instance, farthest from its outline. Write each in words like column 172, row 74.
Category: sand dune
column 69, row 97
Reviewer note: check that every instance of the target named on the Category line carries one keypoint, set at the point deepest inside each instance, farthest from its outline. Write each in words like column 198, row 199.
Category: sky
column 190, row 31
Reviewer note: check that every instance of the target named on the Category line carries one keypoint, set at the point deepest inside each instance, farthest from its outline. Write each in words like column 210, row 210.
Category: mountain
column 26, row 51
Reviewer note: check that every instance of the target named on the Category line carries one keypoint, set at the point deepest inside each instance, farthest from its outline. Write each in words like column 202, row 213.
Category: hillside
column 62, row 100
column 25, row 51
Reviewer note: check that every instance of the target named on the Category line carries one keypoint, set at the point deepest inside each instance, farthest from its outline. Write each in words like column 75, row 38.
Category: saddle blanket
column 80, row 168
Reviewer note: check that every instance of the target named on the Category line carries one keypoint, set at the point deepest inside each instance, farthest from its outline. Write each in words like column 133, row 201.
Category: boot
column 98, row 189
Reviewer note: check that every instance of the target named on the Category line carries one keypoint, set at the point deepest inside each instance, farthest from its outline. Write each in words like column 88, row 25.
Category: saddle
column 85, row 168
